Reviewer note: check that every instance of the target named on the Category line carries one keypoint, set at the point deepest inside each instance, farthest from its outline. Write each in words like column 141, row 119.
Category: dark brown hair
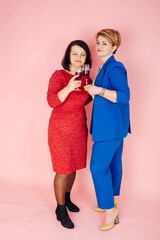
column 66, row 59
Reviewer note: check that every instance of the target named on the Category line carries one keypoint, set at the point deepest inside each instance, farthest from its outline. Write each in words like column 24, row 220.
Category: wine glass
column 86, row 71
column 79, row 73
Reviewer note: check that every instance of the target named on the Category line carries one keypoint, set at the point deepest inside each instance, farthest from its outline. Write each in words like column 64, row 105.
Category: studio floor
column 27, row 213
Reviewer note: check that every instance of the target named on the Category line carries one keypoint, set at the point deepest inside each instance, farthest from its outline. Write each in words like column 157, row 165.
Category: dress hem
column 68, row 172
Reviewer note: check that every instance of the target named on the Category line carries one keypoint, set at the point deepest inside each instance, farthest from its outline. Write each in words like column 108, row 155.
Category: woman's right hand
column 73, row 84
column 62, row 94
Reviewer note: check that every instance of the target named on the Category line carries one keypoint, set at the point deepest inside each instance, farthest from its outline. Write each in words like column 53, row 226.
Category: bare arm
column 111, row 95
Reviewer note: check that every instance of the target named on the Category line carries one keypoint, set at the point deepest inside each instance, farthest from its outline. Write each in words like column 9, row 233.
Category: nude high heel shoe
column 102, row 210
column 109, row 226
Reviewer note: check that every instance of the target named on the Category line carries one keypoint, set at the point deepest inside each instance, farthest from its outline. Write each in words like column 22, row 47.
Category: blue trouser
column 106, row 169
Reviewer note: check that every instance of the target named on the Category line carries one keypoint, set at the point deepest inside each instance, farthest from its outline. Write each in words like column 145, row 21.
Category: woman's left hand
column 91, row 89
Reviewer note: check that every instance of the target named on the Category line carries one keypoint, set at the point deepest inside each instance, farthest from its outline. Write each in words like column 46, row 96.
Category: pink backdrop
column 34, row 36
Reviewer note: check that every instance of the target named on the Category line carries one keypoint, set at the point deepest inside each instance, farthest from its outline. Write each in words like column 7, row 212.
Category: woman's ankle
column 111, row 210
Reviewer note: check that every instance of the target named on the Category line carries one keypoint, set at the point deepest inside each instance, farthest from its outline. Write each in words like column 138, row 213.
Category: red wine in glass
column 79, row 75
column 86, row 72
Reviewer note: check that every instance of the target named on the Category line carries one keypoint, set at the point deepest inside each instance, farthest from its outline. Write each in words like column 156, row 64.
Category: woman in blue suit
column 110, row 124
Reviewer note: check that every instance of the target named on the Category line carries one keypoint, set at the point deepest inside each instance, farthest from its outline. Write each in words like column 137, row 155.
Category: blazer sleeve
column 55, row 85
column 119, row 82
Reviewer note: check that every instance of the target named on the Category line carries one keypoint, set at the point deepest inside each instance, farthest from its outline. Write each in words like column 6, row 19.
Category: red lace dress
column 67, row 131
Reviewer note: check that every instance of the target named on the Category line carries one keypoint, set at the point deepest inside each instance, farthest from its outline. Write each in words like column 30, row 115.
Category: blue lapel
column 103, row 70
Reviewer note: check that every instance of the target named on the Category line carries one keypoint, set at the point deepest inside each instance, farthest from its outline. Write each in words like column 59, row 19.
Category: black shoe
column 71, row 206
column 63, row 217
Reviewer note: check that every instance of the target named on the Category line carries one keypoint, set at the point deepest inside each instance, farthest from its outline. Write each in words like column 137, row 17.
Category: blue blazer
column 111, row 120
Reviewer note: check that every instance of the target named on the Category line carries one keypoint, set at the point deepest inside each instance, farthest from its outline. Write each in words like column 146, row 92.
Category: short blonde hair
column 113, row 36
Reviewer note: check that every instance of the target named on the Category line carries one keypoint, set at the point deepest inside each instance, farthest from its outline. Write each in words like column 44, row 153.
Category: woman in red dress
column 67, row 131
